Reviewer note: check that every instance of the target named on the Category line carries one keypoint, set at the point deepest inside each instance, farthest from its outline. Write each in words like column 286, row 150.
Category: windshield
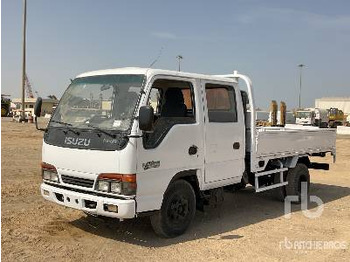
column 303, row 114
column 103, row 102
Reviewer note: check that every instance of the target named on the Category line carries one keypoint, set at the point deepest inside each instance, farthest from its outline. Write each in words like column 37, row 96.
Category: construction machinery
column 28, row 87
column 336, row 117
column 5, row 105
column 17, row 113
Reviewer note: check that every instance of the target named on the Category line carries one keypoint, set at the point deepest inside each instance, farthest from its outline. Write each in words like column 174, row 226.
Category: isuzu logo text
column 76, row 141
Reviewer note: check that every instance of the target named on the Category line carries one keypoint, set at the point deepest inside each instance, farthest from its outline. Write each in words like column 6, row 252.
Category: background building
column 342, row 103
column 47, row 106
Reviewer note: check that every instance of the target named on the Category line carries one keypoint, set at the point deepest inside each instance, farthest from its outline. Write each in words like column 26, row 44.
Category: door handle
column 236, row 145
column 193, row 150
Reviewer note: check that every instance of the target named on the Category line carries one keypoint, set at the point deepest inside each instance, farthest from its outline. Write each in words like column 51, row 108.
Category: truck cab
column 96, row 158
column 305, row 117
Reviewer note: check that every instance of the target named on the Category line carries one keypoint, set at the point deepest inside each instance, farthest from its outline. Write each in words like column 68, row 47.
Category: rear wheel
column 177, row 211
column 295, row 177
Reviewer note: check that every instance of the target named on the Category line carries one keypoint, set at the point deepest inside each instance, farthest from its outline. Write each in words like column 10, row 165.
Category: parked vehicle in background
column 321, row 117
column 347, row 123
column 5, row 105
column 312, row 117
column 132, row 142
column 336, row 117
column 17, row 115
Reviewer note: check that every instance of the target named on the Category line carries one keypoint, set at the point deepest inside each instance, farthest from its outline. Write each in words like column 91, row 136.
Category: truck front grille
column 83, row 182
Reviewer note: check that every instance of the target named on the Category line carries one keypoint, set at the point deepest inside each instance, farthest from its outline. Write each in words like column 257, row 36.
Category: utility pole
column 179, row 57
column 301, row 71
column 24, row 58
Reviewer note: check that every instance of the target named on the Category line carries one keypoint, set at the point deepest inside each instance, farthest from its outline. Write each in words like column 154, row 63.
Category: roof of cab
column 150, row 72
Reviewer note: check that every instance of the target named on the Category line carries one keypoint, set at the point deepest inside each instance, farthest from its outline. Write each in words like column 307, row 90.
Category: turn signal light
column 46, row 166
column 131, row 178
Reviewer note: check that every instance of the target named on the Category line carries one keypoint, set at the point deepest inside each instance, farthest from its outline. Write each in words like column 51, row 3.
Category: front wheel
column 177, row 211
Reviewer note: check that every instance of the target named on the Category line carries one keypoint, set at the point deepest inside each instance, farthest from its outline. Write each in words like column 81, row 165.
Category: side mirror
column 37, row 107
column 146, row 116
column 37, row 112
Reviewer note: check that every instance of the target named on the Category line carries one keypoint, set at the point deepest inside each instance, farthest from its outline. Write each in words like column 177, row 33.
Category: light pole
column 301, row 70
column 24, row 58
column 179, row 57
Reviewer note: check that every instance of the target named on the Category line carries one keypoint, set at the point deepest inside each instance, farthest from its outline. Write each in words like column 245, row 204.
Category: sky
column 265, row 40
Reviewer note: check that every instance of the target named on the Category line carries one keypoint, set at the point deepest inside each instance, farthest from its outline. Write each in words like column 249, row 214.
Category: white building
column 47, row 105
column 342, row 103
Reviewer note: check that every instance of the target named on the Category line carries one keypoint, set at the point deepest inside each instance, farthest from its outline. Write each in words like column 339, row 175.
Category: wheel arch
column 304, row 160
column 190, row 176
column 292, row 161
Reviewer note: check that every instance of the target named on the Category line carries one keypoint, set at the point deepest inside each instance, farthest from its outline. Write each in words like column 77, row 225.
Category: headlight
column 124, row 184
column 103, row 186
column 47, row 175
column 54, row 177
column 116, row 187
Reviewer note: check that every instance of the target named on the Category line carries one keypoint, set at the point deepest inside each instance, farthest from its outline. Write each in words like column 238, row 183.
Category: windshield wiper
column 101, row 130
column 67, row 125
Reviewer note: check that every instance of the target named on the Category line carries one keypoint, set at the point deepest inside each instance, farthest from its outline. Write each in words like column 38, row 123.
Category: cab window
column 173, row 103
column 221, row 103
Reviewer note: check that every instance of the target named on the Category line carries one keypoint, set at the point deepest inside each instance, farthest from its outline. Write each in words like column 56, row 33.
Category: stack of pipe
column 283, row 112
column 273, row 110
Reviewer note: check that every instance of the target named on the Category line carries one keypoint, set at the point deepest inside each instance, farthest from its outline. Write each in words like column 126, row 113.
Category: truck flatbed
column 276, row 142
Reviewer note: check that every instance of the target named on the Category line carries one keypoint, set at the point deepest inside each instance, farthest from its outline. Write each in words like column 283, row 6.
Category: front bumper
column 92, row 204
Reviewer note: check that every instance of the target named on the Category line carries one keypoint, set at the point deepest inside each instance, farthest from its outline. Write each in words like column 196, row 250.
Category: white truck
column 312, row 117
column 130, row 142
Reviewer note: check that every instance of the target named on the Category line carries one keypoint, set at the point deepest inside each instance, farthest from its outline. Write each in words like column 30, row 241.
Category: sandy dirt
column 248, row 226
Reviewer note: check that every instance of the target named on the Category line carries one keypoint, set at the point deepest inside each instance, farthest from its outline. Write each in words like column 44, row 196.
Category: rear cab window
column 221, row 103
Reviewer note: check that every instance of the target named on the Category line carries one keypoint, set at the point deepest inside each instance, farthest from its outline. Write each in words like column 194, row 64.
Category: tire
column 295, row 177
column 177, row 211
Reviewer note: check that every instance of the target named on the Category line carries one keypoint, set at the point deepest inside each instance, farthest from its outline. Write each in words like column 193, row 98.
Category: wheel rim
column 178, row 209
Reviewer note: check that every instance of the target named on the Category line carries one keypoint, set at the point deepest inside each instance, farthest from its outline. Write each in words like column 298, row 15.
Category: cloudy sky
column 263, row 39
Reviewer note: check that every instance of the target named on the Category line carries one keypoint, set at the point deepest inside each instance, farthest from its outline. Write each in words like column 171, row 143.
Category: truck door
column 224, row 133
column 176, row 142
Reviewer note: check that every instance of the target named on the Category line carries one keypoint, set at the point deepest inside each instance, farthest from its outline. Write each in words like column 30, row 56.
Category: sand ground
column 248, row 226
